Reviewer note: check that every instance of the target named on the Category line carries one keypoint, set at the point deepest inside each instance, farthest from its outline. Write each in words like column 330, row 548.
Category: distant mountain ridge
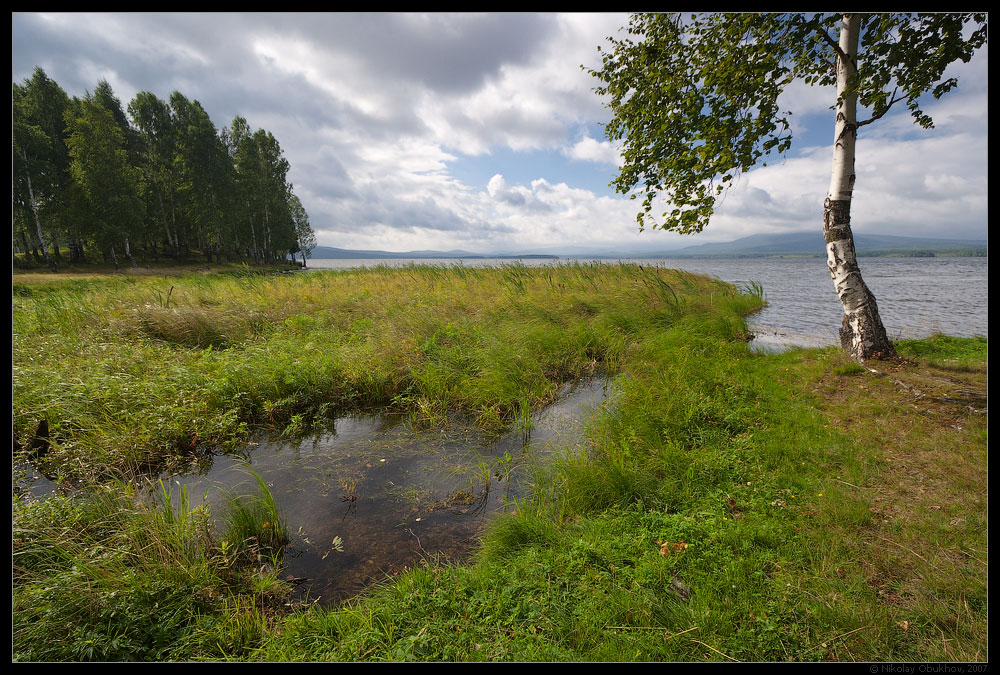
column 345, row 254
column 324, row 252
column 813, row 244
column 808, row 243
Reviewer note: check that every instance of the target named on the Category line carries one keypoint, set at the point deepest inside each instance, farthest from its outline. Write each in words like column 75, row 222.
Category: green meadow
column 729, row 506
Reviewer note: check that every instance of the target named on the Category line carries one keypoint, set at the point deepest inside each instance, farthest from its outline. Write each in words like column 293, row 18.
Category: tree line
column 156, row 181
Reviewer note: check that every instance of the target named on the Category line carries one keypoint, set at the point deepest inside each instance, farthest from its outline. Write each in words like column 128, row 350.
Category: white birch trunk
column 862, row 334
column 267, row 234
column 128, row 253
column 253, row 232
column 34, row 212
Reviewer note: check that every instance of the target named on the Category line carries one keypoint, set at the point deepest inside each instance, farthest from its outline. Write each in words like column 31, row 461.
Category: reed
column 122, row 572
column 145, row 371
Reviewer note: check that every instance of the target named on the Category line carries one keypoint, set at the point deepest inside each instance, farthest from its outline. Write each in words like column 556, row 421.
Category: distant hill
column 343, row 253
column 348, row 254
column 808, row 243
column 812, row 244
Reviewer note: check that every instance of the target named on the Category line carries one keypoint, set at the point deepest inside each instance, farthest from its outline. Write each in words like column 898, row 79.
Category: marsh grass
column 139, row 371
column 729, row 505
column 117, row 573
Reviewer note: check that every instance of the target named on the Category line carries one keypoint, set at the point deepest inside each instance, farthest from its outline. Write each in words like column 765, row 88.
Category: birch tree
column 31, row 167
column 100, row 166
column 305, row 238
column 40, row 159
column 694, row 102
column 158, row 138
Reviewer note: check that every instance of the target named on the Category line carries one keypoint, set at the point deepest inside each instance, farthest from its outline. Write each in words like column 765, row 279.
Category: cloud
column 445, row 53
column 589, row 150
column 375, row 111
column 933, row 185
column 518, row 197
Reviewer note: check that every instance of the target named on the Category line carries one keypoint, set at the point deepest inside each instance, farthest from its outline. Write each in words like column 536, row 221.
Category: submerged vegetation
column 729, row 506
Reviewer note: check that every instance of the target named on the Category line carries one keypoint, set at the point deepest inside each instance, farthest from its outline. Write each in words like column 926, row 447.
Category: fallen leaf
column 666, row 547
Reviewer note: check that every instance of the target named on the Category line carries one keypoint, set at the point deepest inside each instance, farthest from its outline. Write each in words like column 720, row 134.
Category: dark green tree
column 694, row 102
column 104, row 97
column 157, row 133
column 243, row 152
column 110, row 184
column 204, row 171
column 40, row 157
column 271, row 175
column 262, row 185
column 305, row 238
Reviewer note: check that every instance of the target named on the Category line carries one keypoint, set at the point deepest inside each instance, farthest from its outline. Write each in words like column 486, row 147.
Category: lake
column 917, row 297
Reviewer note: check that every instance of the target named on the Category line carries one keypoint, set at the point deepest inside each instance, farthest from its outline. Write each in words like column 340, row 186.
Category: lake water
column 917, row 297
column 373, row 495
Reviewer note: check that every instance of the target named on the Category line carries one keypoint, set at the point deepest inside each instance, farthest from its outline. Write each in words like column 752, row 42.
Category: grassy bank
column 735, row 507
column 134, row 372
column 731, row 505
column 118, row 573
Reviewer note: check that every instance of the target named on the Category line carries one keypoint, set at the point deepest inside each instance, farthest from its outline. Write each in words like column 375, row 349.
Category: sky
column 482, row 132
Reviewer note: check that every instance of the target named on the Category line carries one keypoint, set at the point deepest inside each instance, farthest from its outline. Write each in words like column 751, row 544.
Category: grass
column 118, row 573
column 729, row 505
column 733, row 507
column 137, row 372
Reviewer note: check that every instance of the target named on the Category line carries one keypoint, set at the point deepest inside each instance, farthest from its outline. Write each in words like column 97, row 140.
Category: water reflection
column 388, row 494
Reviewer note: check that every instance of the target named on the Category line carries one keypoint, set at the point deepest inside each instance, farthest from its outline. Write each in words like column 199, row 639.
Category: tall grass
column 115, row 573
column 137, row 372
column 254, row 528
column 728, row 506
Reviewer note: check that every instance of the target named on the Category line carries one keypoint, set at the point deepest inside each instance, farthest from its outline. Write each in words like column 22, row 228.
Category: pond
column 376, row 494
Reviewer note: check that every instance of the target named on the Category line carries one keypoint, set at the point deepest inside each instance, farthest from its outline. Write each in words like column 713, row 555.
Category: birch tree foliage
column 87, row 174
column 100, row 166
column 694, row 97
